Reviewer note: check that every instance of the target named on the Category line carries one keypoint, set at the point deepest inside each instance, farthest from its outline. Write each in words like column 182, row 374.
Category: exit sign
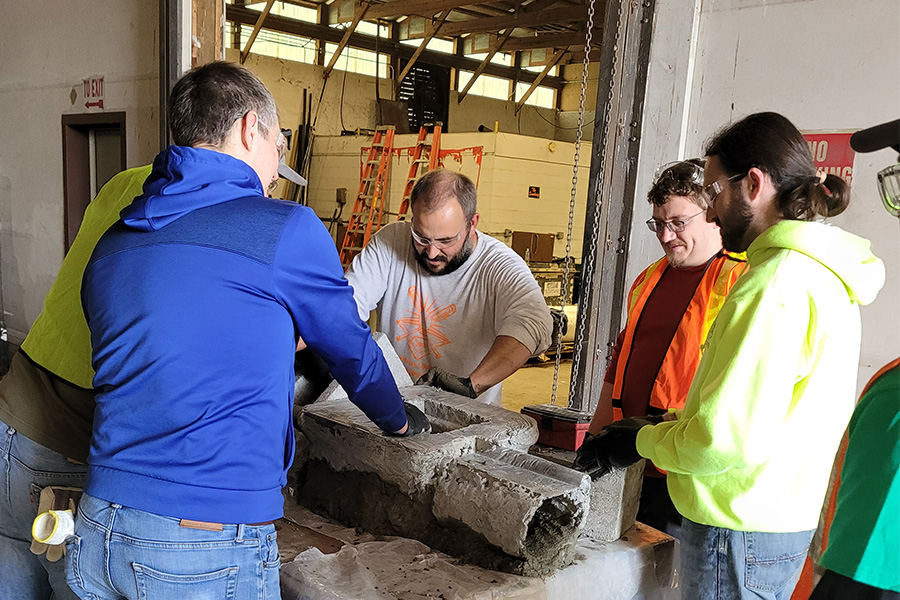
column 92, row 90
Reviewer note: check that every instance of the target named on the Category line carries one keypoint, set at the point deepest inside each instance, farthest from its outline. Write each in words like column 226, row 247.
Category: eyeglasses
column 280, row 141
column 715, row 188
column 281, row 147
column 676, row 226
column 680, row 170
column 440, row 244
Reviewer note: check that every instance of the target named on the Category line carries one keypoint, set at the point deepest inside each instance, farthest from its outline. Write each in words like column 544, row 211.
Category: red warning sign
column 832, row 153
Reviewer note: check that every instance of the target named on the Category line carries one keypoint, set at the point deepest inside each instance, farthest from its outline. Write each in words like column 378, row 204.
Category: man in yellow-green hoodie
column 749, row 457
column 47, row 407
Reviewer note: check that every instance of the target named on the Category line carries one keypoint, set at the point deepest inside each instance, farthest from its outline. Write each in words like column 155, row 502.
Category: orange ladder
column 366, row 217
column 433, row 160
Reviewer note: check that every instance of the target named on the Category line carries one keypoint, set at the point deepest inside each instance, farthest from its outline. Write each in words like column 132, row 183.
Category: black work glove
column 615, row 447
column 416, row 421
column 448, row 381
column 653, row 419
column 560, row 323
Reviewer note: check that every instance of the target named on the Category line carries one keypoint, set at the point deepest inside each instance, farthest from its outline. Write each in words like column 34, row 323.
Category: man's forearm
column 504, row 358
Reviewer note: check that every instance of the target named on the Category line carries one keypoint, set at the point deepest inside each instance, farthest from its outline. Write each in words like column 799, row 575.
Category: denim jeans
column 25, row 468
column 119, row 552
column 723, row 564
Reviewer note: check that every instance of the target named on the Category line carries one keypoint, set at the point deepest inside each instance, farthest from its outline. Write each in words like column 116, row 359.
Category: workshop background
column 81, row 82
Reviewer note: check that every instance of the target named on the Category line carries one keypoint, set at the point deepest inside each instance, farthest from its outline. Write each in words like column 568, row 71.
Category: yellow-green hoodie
column 753, row 447
column 59, row 340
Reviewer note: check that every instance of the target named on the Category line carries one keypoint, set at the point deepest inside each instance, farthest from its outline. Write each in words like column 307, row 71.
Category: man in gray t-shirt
column 461, row 309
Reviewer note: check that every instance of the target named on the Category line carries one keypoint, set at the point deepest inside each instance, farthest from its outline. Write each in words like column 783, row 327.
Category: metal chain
column 578, row 135
column 587, row 265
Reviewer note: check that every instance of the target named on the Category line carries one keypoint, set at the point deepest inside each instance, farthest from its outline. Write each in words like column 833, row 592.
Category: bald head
column 436, row 187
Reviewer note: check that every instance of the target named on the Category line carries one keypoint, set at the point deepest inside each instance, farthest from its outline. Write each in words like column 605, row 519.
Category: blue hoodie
column 195, row 299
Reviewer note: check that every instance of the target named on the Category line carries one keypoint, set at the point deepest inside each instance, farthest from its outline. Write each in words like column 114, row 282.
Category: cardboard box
column 533, row 247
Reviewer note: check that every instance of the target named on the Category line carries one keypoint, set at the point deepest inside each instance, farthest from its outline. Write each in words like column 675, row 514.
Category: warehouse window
column 274, row 43
column 543, row 96
column 356, row 60
column 552, row 73
column 435, row 44
column 367, row 28
column 499, row 58
column 486, row 85
column 285, row 9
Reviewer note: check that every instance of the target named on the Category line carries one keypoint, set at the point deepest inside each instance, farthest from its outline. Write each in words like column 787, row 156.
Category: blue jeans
column 723, row 564
column 119, row 552
column 25, row 468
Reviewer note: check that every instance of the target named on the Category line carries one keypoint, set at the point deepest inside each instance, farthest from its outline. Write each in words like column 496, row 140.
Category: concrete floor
column 533, row 384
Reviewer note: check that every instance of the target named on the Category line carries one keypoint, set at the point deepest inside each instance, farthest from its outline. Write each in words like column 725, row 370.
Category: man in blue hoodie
column 195, row 300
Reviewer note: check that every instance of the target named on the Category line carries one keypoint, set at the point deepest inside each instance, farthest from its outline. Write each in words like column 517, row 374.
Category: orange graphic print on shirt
column 422, row 328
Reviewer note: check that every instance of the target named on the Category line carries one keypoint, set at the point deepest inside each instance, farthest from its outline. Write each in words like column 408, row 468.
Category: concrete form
column 469, row 488
column 615, row 497
column 614, row 503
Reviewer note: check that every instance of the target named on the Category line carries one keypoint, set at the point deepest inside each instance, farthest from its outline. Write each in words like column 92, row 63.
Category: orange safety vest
column 677, row 370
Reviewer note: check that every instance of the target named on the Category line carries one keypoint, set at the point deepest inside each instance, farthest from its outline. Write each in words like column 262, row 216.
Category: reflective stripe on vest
column 680, row 363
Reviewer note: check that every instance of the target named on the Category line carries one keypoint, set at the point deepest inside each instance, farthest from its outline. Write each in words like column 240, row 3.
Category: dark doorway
column 93, row 151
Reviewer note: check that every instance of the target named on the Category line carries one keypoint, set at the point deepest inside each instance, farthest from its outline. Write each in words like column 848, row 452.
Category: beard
column 450, row 263
column 735, row 226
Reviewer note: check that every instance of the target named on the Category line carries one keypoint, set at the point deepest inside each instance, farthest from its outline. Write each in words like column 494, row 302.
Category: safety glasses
column 440, row 243
column 715, row 188
column 680, row 170
column 675, row 226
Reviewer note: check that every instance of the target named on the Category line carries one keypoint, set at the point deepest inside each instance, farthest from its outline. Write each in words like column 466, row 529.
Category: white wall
column 48, row 48
column 824, row 64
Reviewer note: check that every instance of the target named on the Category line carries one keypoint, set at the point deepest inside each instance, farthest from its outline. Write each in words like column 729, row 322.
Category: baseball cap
column 285, row 172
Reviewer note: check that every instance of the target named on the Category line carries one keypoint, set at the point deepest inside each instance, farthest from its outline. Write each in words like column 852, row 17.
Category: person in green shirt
column 862, row 551
column 862, row 557
column 750, row 455
column 47, row 407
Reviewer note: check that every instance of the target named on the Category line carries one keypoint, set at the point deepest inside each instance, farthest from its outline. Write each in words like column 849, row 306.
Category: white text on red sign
column 93, row 87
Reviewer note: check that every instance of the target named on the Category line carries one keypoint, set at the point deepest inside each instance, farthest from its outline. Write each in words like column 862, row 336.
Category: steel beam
column 624, row 60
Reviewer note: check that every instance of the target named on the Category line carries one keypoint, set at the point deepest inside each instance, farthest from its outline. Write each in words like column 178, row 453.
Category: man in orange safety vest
column 671, row 306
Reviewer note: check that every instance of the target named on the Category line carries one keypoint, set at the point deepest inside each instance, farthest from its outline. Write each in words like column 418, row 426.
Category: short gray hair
column 435, row 187
column 206, row 102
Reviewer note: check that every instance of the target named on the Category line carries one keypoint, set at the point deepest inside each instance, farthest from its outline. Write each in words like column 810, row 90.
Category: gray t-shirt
column 449, row 321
